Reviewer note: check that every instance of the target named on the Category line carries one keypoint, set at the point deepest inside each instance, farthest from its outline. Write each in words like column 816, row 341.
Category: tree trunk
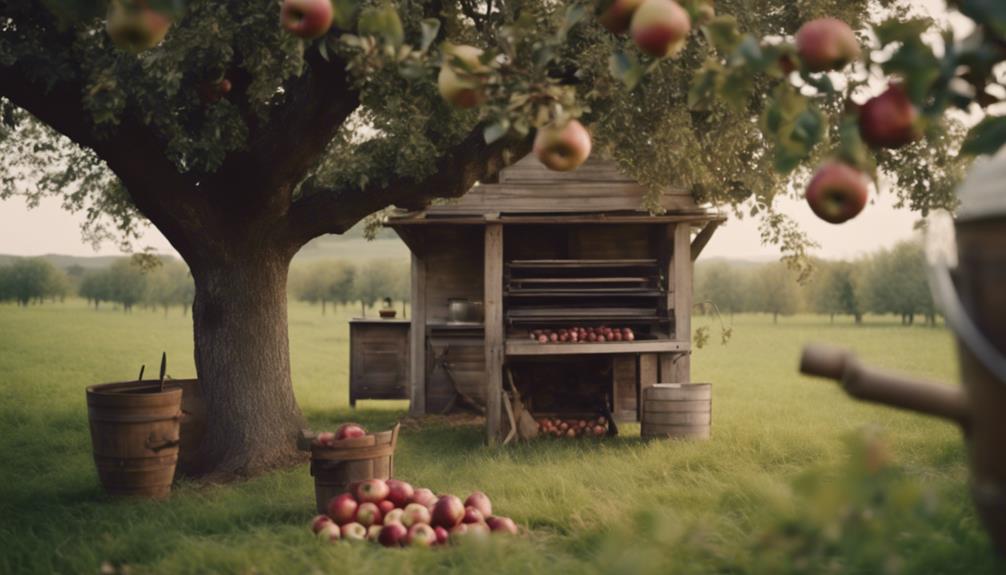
column 323, row 307
column 832, row 318
column 859, row 318
column 775, row 317
column 243, row 361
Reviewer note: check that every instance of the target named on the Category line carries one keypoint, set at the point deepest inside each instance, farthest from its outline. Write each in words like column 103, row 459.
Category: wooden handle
column 884, row 387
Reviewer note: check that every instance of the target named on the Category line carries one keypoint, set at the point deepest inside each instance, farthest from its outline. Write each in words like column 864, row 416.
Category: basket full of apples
column 348, row 456
column 393, row 513
column 570, row 426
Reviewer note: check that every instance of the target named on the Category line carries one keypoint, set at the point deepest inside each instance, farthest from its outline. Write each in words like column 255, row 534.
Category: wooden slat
column 696, row 215
column 527, row 348
column 703, row 237
column 494, row 330
column 595, row 169
column 417, row 340
column 624, row 383
column 681, row 265
column 649, row 375
column 550, row 264
column 576, row 197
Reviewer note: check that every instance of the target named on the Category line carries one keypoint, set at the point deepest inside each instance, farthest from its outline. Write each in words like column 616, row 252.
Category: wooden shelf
column 526, row 347
column 552, row 264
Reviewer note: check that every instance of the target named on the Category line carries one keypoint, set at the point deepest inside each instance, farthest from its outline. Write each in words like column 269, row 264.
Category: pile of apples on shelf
column 393, row 513
column 332, row 438
column 583, row 334
column 573, row 427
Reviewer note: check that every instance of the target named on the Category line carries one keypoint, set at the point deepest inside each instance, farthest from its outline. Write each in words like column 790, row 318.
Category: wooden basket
column 352, row 460
column 677, row 411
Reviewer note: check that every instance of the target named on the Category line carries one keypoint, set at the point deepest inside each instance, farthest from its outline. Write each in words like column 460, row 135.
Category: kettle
column 967, row 276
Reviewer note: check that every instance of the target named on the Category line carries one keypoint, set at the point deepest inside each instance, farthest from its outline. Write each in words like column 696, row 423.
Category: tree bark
column 243, row 360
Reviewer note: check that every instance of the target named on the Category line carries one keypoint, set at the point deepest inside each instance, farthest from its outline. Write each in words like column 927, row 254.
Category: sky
column 48, row 229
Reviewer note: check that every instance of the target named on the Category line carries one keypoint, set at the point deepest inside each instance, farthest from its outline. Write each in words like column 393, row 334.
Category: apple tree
column 242, row 130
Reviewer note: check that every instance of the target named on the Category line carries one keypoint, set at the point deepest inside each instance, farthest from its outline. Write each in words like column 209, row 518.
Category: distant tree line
column 339, row 282
column 124, row 283
column 888, row 282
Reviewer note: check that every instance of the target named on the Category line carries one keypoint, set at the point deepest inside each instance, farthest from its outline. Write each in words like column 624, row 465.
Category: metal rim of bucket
column 941, row 255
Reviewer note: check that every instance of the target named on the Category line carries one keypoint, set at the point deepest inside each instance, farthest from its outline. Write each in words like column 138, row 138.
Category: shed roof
column 528, row 191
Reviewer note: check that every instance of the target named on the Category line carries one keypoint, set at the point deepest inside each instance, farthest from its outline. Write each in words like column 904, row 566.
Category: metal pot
column 461, row 310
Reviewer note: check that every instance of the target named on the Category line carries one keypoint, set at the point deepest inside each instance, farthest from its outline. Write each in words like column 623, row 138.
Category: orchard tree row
column 888, row 282
column 32, row 280
column 342, row 283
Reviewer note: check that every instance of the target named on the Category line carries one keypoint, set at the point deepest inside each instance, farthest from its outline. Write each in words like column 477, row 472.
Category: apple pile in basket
column 393, row 513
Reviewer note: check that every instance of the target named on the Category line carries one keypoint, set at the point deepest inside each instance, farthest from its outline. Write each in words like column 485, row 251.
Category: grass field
column 777, row 490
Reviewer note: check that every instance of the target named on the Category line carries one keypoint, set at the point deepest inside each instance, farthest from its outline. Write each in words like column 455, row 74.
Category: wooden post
column 417, row 339
column 681, row 278
column 494, row 336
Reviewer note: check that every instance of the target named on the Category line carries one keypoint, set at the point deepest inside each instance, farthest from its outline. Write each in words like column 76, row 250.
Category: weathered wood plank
column 703, row 237
column 624, row 402
column 559, row 197
column 494, row 330
column 649, row 375
column 681, row 264
column 417, row 339
column 595, row 169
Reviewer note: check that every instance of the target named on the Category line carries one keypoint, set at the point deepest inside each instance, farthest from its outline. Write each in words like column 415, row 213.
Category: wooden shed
column 544, row 249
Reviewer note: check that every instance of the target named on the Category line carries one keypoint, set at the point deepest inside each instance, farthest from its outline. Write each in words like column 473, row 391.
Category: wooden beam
column 681, row 279
column 703, row 237
column 649, row 374
column 494, row 336
column 478, row 218
column 417, row 339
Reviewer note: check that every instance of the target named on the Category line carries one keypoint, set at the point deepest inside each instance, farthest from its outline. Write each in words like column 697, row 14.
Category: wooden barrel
column 135, row 436
column 677, row 410
column 352, row 460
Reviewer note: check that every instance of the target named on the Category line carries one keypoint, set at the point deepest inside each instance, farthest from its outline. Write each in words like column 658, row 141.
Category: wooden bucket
column 135, row 436
column 677, row 411
column 352, row 460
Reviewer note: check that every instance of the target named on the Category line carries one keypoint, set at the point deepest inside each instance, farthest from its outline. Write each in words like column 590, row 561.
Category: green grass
column 774, row 491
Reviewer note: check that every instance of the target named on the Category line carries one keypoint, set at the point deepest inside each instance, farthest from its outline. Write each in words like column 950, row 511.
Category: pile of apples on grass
column 583, row 335
column 393, row 513
column 572, row 427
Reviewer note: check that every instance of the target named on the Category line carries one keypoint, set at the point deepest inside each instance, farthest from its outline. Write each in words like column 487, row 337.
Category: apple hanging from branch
column 562, row 147
column 826, row 44
column 135, row 27
column 307, row 19
column 837, row 192
column 660, row 27
column 889, row 120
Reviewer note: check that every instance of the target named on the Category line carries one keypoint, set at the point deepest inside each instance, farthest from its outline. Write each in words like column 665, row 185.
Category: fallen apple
column 330, row 532
column 372, row 490
column 349, row 431
column 826, row 44
column 837, row 192
column 385, row 505
column 472, row 515
column 393, row 535
column 562, row 148
column 424, row 496
column 660, row 27
column 319, row 522
column 342, row 508
column 354, row 532
column 502, row 525
column 374, row 532
column 395, row 516
column 415, row 513
column 448, row 512
column 421, row 535
column 442, row 535
column 368, row 514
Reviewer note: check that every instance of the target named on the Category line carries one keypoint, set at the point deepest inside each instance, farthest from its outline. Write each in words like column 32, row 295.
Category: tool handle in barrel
column 878, row 386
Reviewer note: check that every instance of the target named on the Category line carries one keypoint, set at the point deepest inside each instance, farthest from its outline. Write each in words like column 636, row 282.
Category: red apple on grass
column 306, row 19
column 469, row 532
column 618, row 15
column 837, row 192
column 499, row 524
column 826, row 44
column 424, row 496
column 354, row 532
column 448, row 512
column 374, row 532
column 135, row 27
column 416, row 513
column 385, row 506
column 372, row 490
column 459, row 81
column 442, row 535
column 421, row 535
column 393, row 535
column 395, row 516
column 319, row 522
column 330, row 532
column 368, row 514
column 349, row 431
column 562, row 147
column 889, row 120
column 480, row 501
column 660, row 27
column 472, row 515
column 342, row 508
column 400, row 493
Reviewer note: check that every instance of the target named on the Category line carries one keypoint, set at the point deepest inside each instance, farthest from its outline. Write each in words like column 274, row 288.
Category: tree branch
column 333, row 211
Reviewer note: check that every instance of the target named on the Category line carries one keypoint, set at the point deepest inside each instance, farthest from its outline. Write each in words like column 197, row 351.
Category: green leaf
column 723, row 34
column 793, row 125
column 626, row 68
column 894, row 30
column 495, row 131
column 431, row 27
column 851, row 148
column 575, row 13
column 344, row 13
column 987, row 137
column 917, row 66
column 702, row 91
column 382, row 23
column 991, row 13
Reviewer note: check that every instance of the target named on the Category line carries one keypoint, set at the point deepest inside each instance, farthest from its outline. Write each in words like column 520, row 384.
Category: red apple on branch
column 826, row 44
column 306, row 19
column 618, row 15
column 660, row 27
column 889, row 120
column 342, row 508
column 460, row 82
column 135, row 27
column 837, row 192
column 562, row 147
